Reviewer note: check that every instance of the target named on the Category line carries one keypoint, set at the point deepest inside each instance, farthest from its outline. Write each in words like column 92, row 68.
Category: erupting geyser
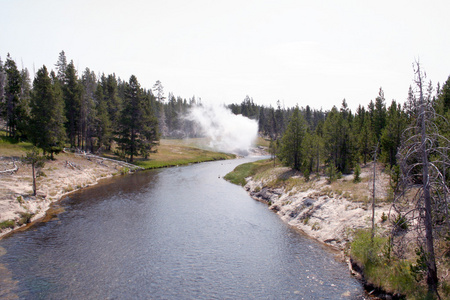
column 226, row 131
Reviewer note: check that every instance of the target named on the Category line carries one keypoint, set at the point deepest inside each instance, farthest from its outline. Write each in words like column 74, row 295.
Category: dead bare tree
column 420, row 204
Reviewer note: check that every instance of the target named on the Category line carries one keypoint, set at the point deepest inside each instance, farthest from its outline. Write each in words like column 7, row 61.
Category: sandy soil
column 321, row 213
column 67, row 173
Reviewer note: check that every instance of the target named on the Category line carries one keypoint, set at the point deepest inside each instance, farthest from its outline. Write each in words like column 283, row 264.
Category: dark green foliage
column 357, row 174
column 138, row 131
column 392, row 133
column 15, row 106
column 379, row 115
column 401, row 223
column 338, row 139
column 102, row 121
column 47, row 113
column 291, row 151
column 72, row 99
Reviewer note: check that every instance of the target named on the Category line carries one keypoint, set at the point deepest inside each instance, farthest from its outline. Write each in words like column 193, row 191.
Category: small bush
column 332, row 173
column 357, row 174
column 25, row 218
column 20, row 199
column 401, row 223
column 315, row 226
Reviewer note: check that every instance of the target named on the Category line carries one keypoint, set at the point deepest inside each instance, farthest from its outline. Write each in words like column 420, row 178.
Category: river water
column 178, row 233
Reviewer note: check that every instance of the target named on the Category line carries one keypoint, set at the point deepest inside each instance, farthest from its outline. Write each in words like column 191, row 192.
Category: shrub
column 7, row 224
column 25, row 218
column 332, row 173
column 380, row 268
column 401, row 223
column 357, row 174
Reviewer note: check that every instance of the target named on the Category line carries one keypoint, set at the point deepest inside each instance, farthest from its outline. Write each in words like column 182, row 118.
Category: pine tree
column 292, row 141
column 2, row 86
column 47, row 113
column 13, row 107
column 138, row 127
column 365, row 138
column 72, row 98
column 391, row 134
column 88, row 110
column 338, row 139
column 102, row 120
column 379, row 115
column 61, row 67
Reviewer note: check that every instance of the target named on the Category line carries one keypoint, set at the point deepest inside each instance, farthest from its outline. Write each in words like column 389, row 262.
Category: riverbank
column 329, row 213
column 70, row 172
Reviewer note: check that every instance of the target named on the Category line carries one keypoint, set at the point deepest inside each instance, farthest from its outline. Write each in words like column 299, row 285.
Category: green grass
column 172, row 153
column 11, row 147
column 382, row 269
column 7, row 224
column 238, row 175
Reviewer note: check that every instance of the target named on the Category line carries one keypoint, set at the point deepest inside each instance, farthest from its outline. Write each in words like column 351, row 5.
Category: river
column 178, row 233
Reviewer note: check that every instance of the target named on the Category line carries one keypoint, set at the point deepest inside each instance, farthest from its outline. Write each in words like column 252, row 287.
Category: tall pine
column 138, row 131
column 292, row 141
column 47, row 113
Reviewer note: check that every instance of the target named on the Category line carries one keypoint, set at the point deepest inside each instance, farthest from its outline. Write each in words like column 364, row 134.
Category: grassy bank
column 12, row 148
column 180, row 152
column 238, row 175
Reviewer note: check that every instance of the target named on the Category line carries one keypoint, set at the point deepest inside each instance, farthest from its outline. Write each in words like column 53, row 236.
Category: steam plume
column 226, row 131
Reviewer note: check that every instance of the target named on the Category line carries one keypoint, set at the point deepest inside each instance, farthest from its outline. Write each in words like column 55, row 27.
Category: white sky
column 300, row 52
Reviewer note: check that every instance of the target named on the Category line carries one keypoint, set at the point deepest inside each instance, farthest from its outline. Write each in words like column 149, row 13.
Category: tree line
column 306, row 138
column 103, row 112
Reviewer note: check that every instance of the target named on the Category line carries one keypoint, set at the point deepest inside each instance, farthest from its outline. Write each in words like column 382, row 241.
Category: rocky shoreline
column 58, row 178
column 317, row 210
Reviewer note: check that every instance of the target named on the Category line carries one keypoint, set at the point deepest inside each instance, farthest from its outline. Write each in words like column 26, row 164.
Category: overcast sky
column 300, row 52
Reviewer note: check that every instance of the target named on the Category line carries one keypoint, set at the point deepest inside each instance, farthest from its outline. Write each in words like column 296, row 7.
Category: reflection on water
column 180, row 233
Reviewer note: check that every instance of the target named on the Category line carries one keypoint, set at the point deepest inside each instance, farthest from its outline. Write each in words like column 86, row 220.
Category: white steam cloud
column 226, row 131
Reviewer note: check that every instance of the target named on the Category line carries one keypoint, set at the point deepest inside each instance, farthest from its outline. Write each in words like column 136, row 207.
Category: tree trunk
column 34, row 179
column 432, row 279
column 373, row 193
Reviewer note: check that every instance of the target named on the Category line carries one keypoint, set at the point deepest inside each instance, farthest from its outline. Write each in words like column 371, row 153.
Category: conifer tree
column 47, row 113
column 61, row 67
column 138, row 126
column 102, row 120
column 392, row 132
column 292, row 141
column 2, row 85
column 13, row 108
column 87, row 109
column 113, row 101
column 72, row 98
column 338, row 139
